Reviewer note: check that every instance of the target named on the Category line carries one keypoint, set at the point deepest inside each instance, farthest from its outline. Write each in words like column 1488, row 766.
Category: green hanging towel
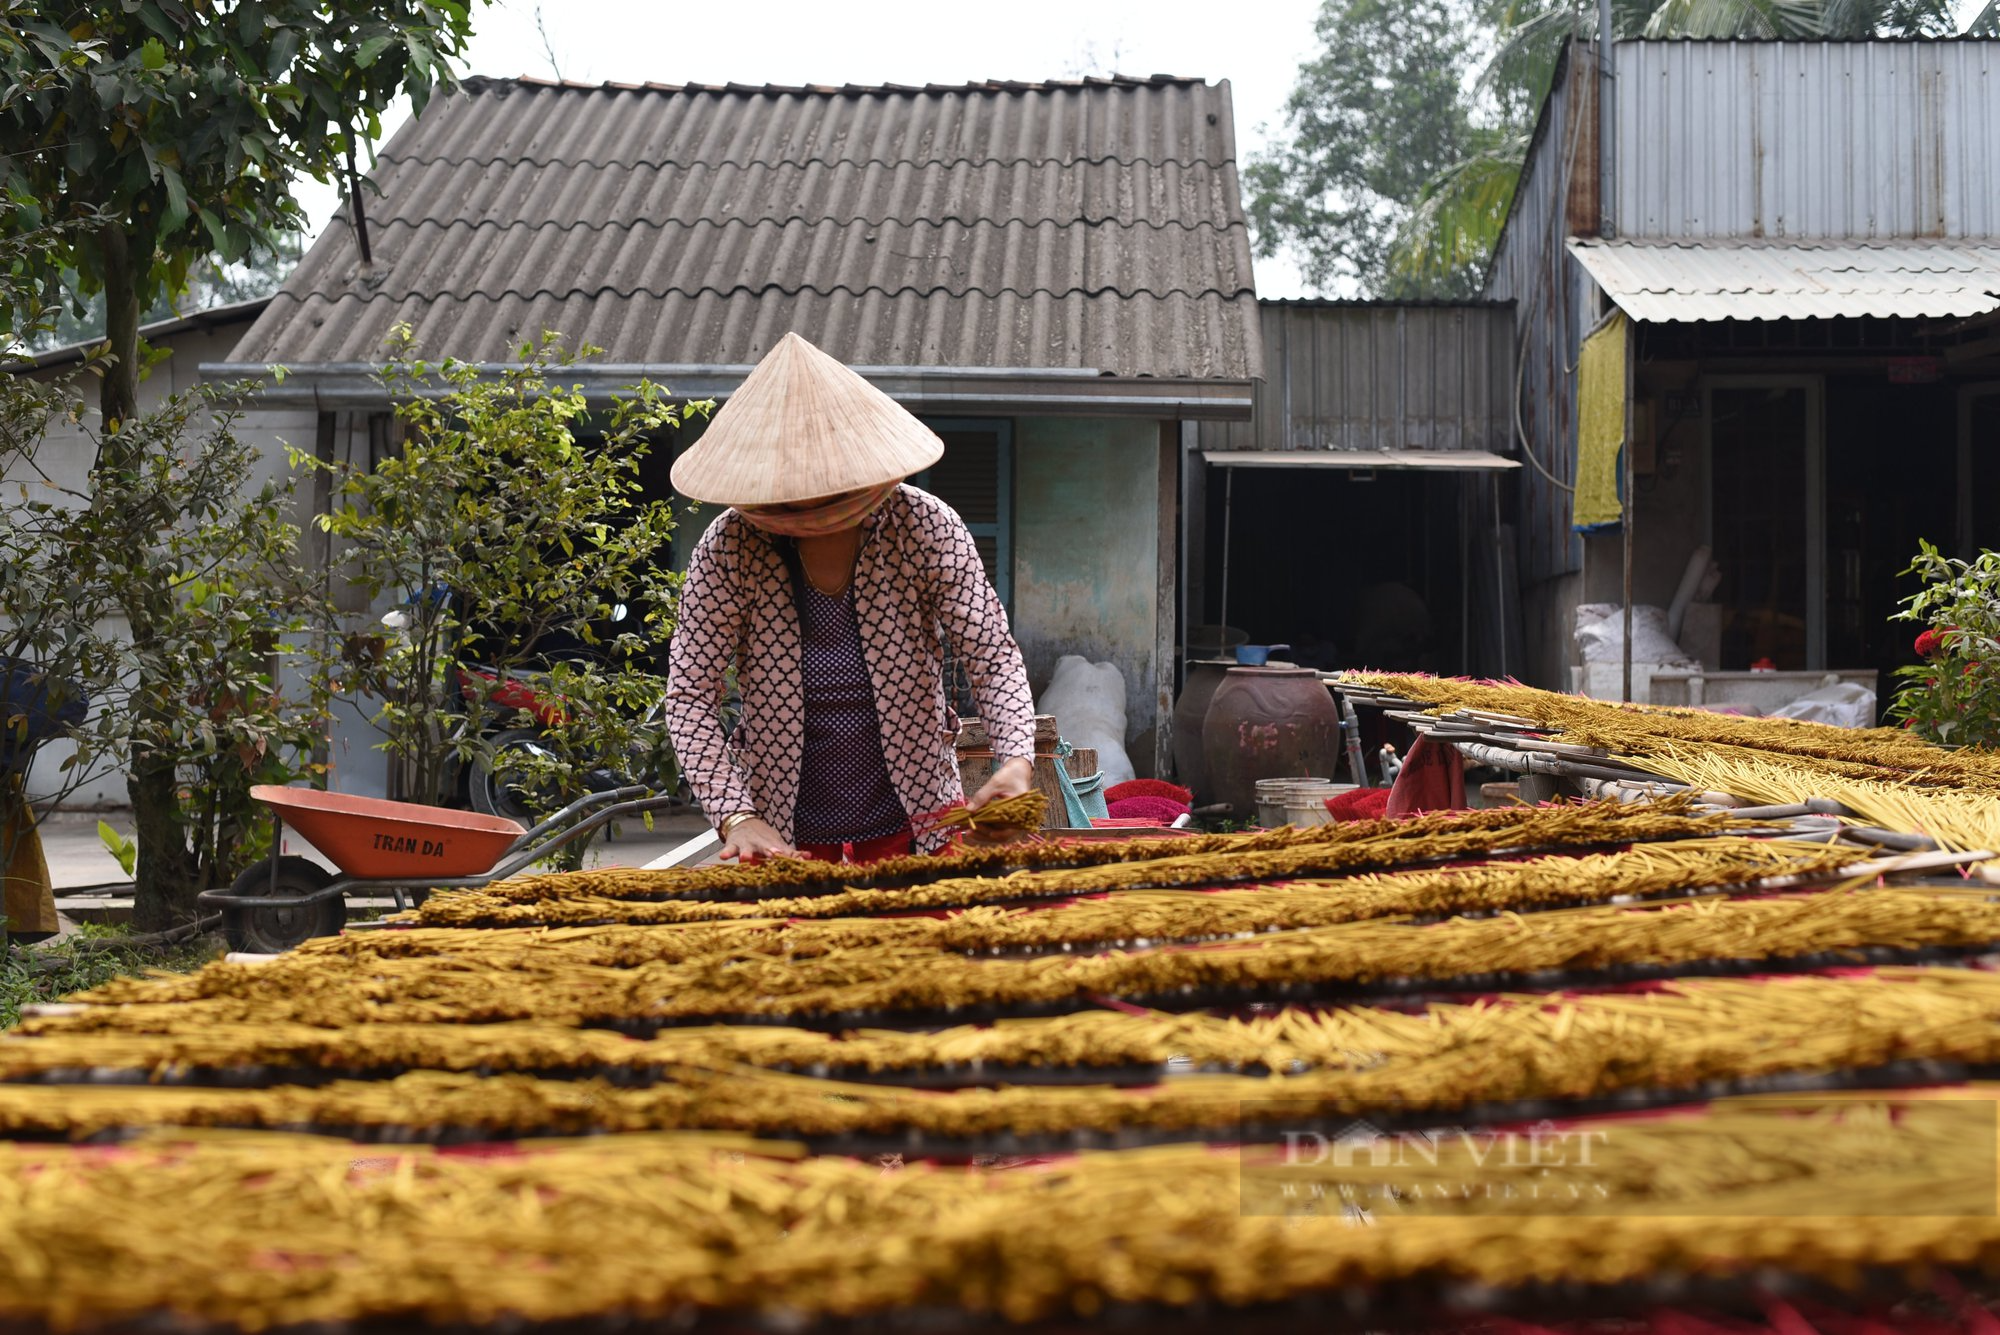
column 1082, row 798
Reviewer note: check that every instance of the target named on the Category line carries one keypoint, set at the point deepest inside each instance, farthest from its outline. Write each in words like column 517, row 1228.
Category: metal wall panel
column 1808, row 140
column 1378, row 376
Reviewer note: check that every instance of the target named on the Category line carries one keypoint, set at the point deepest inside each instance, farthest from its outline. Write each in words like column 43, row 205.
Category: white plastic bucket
column 1305, row 803
column 1273, row 795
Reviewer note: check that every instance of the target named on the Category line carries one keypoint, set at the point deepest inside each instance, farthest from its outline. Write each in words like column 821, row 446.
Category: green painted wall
column 1086, row 549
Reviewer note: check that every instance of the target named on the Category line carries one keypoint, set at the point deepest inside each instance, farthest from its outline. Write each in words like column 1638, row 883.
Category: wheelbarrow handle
column 525, row 852
column 570, row 812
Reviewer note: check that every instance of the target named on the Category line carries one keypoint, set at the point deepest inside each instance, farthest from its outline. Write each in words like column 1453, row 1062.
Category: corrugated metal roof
column 1857, row 141
column 1092, row 224
column 1686, row 282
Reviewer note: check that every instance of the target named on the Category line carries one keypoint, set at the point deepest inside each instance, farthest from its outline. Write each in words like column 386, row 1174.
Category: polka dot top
column 844, row 790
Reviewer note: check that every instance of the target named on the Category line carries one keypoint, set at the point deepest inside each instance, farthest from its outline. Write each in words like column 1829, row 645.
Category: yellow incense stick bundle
column 1325, row 850
column 271, row 1231
column 1528, row 1048
column 1637, row 731
column 880, row 976
column 1690, row 866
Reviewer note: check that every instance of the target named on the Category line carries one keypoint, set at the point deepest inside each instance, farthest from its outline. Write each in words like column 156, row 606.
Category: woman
column 830, row 587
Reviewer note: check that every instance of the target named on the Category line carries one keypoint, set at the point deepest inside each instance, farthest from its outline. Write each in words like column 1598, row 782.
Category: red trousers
column 895, row 845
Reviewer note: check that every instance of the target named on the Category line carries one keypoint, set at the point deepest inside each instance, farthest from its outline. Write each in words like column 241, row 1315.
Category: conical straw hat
column 802, row 427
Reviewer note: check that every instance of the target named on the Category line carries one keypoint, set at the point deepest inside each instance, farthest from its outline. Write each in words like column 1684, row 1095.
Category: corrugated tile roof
column 1773, row 280
column 1096, row 223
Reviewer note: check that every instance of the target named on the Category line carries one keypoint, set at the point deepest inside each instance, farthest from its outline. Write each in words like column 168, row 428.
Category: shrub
column 1952, row 697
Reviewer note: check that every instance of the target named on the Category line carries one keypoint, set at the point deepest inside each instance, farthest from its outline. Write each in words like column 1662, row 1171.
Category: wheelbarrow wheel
column 274, row 930
column 497, row 787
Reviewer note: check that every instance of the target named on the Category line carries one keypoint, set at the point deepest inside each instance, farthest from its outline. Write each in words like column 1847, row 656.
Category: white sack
column 1088, row 702
column 1845, row 704
column 1600, row 634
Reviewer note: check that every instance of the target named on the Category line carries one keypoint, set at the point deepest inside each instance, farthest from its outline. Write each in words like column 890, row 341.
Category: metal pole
column 1189, row 462
column 1228, row 506
column 1500, row 574
column 1465, row 575
column 1630, row 509
column 1607, row 123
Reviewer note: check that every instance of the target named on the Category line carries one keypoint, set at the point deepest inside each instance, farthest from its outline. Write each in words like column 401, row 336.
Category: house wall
column 1087, row 507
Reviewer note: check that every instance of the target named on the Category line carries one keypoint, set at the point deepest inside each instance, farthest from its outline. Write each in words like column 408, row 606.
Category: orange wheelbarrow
column 403, row 848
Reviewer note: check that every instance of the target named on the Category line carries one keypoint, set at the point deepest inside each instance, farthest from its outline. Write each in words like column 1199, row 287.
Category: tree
column 1379, row 111
column 229, row 686
column 507, row 536
column 55, row 653
column 57, row 656
column 162, row 133
column 228, row 690
column 192, row 538
column 181, row 124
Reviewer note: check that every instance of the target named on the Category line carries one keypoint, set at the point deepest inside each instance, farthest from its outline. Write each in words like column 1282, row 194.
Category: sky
column 1255, row 44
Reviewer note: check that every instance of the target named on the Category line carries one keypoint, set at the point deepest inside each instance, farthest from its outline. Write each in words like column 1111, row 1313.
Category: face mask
column 816, row 521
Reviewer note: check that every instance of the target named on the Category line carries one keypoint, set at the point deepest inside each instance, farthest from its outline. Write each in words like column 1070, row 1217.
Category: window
column 976, row 478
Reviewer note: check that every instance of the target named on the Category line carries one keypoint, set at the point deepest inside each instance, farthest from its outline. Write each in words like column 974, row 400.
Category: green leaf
column 121, row 848
column 371, row 50
column 151, row 16
column 284, row 50
column 153, row 54
column 177, row 201
column 217, row 232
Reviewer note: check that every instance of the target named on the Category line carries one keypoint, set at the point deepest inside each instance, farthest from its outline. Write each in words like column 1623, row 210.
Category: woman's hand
column 752, row 841
column 1012, row 779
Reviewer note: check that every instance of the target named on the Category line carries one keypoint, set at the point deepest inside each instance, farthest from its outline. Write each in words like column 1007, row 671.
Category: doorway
column 1766, row 517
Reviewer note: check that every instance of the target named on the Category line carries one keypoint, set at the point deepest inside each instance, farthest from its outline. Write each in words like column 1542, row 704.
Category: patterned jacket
column 918, row 576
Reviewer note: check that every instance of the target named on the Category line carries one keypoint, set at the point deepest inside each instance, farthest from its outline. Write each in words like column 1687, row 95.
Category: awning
column 1359, row 459
column 1689, row 282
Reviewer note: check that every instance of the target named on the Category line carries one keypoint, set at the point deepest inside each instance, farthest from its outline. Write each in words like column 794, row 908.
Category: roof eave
column 931, row 390
column 215, row 317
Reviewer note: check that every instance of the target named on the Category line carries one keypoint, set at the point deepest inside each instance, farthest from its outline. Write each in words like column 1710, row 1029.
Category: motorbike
column 518, row 714
column 501, row 779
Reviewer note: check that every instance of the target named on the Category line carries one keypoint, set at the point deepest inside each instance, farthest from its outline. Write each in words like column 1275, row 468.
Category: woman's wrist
column 727, row 825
